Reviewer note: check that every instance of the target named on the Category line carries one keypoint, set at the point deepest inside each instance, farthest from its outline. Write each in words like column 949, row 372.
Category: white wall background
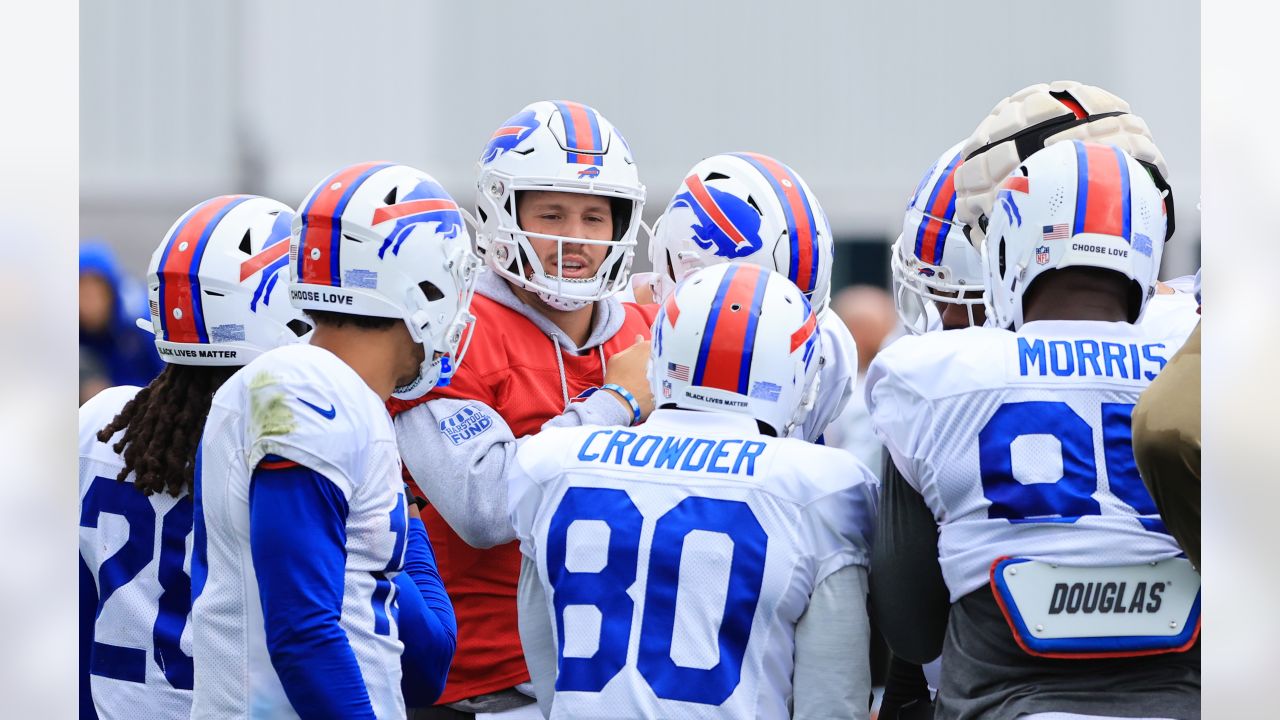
column 182, row 100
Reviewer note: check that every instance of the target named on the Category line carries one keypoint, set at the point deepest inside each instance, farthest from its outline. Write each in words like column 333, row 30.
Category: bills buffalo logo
column 270, row 261
column 726, row 224
column 512, row 133
column 428, row 202
column 1011, row 185
column 590, row 173
column 927, row 272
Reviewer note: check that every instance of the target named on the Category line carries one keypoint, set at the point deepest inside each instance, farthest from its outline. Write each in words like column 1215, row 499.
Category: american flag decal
column 1056, row 232
column 678, row 372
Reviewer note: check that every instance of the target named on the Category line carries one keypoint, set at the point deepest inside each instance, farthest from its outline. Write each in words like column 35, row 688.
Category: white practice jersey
column 1170, row 314
column 836, row 377
column 1021, row 444
column 678, row 556
column 138, row 549
column 303, row 404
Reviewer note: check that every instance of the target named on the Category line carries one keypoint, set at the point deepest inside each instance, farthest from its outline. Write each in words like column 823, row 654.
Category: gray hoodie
column 467, row 483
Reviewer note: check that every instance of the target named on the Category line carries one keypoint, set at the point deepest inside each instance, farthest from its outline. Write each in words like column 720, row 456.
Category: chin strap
column 559, row 303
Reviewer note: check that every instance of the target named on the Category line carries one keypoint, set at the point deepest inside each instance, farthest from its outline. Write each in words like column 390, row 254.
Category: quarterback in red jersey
column 558, row 205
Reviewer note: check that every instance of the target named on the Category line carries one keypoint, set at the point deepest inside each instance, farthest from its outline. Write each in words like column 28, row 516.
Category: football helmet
column 1073, row 204
column 746, row 206
column 386, row 240
column 215, row 287
column 560, row 147
column 737, row 338
column 1036, row 117
column 932, row 261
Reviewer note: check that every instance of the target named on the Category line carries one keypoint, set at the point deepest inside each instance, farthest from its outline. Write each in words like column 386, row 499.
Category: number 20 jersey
column 137, row 549
column 1021, row 444
column 303, row 404
column 678, row 556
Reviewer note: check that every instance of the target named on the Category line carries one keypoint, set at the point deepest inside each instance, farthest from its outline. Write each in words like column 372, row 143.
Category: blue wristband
column 626, row 395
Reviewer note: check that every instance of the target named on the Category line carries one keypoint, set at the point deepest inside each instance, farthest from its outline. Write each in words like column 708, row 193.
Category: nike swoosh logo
column 329, row 414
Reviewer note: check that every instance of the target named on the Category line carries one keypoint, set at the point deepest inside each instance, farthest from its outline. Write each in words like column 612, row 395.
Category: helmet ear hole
column 390, row 199
column 245, row 246
column 299, row 327
column 432, row 292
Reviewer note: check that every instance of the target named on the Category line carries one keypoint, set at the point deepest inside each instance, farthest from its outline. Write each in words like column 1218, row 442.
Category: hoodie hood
column 128, row 353
column 605, row 323
column 98, row 258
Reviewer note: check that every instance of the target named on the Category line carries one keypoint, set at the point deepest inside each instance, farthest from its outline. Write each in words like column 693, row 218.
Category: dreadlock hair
column 162, row 426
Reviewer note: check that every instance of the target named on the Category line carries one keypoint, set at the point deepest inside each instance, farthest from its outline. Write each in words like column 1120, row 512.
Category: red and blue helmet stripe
column 583, row 140
column 939, row 211
column 802, row 227
column 729, row 338
column 1103, row 204
column 322, row 224
column 179, row 270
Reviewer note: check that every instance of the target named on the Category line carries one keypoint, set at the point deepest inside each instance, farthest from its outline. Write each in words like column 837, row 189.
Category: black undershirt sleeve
column 909, row 598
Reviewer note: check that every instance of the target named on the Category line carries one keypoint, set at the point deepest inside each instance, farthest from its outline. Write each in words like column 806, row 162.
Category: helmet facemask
column 559, row 147
column 440, row 324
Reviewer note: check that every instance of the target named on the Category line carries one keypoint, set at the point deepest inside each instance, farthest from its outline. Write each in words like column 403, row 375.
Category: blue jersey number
column 606, row 590
column 130, row 663
column 384, row 589
column 1070, row 497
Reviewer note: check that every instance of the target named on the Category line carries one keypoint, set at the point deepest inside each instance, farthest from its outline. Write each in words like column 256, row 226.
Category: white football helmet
column 215, row 286
column 560, row 147
column 386, row 240
column 1073, row 204
column 1036, row 117
column 746, row 206
column 933, row 262
column 738, row 338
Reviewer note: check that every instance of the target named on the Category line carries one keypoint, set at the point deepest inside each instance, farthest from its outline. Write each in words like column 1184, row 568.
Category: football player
column 937, row 272
column 217, row 302
column 704, row 564
column 937, row 285
column 1016, row 438
column 558, row 202
column 1038, row 116
column 751, row 208
column 302, row 531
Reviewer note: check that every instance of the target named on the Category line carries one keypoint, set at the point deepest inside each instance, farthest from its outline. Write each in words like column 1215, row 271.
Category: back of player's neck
column 367, row 352
column 1078, row 307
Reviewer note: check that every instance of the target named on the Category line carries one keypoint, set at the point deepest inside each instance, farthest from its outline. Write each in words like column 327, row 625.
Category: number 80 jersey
column 678, row 556
column 1020, row 443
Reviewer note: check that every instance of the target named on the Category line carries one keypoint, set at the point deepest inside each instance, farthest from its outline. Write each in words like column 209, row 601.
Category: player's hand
column 629, row 369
